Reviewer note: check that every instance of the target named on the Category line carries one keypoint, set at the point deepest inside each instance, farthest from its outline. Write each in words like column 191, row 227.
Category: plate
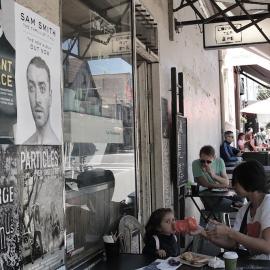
column 199, row 260
column 219, row 189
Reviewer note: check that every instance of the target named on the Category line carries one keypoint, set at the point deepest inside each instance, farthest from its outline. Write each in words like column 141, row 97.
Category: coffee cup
column 194, row 189
column 230, row 259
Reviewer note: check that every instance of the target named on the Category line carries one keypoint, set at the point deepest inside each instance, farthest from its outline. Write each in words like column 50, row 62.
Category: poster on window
column 8, row 110
column 39, row 96
column 10, row 229
column 42, row 215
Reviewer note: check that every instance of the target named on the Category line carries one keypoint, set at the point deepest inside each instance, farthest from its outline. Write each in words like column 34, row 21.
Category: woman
column 250, row 141
column 241, row 141
column 252, row 225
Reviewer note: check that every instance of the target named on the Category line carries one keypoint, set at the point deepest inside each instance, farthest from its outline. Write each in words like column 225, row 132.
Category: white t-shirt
column 257, row 224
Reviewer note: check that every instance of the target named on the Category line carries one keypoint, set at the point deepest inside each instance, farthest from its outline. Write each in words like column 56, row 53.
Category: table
column 135, row 261
column 208, row 193
column 124, row 262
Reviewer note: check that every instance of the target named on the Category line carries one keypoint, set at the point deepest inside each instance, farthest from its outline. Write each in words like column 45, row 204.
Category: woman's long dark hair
column 154, row 222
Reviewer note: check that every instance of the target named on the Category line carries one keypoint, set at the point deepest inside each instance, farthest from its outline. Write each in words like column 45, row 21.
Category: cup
column 111, row 250
column 194, row 189
column 230, row 260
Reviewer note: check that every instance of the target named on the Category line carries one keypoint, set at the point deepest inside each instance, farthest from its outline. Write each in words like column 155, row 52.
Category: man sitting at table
column 230, row 154
column 210, row 172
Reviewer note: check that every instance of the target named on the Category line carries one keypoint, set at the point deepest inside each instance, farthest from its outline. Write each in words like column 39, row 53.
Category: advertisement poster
column 41, row 176
column 10, row 233
column 39, row 98
column 8, row 110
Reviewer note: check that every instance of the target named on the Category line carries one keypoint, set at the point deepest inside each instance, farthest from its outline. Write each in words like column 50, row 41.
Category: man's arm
column 223, row 179
column 236, row 151
column 204, row 183
column 225, row 154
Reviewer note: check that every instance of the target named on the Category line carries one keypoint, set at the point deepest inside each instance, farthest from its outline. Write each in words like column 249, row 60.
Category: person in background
column 260, row 137
column 160, row 239
column 228, row 153
column 241, row 141
column 250, row 142
column 210, row 172
column 251, row 232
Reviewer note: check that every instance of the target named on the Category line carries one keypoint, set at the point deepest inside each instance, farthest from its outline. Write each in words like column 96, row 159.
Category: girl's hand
column 161, row 253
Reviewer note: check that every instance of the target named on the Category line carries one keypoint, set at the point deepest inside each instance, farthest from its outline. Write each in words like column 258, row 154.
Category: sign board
column 181, row 129
column 221, row 34
column 107, row 45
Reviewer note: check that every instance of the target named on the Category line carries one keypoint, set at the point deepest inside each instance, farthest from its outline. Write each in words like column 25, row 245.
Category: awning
column 257, row 72
column 260, row 107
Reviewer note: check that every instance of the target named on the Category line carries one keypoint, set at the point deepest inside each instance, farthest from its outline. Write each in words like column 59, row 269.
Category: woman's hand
column 198, row 231
column 218, row 230
column 161, row 253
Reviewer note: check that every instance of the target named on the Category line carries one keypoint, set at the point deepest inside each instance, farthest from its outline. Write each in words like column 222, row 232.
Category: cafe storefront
column 111, row 90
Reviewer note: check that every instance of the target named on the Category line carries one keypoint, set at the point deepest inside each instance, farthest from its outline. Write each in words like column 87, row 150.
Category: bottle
column 186, row 225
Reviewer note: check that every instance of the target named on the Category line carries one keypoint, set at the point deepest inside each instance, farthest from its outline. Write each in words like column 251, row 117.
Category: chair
column 262, row 157
column 130, row 232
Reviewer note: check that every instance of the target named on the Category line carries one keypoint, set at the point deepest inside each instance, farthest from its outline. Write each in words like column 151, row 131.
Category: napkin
column 216, row 263
column 108, row 239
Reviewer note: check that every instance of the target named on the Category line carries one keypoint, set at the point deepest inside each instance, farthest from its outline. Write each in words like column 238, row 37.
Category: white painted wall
column 201, row 80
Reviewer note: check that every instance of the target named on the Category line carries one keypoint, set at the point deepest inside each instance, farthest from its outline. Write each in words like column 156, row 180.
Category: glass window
column 98, row 121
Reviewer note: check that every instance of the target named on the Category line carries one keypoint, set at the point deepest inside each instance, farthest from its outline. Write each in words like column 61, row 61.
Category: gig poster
column 38, row 60
column 42, row 214
column 10, row 225
column 8, row 110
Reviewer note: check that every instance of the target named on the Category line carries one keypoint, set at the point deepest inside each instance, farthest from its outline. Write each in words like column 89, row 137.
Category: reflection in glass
column 98, row 122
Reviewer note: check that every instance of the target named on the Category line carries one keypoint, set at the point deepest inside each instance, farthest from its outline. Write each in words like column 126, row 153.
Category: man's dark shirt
column 228, row 153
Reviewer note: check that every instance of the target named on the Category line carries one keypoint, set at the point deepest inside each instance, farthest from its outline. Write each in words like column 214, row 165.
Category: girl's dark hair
column 154, row 222
column 251, row 176
column 240, row 135
column 208, row 150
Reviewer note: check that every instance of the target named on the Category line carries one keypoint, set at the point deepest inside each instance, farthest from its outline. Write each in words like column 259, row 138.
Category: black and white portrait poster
column 10, row 229
column 39, row 97
column 8, row 110
column 42, row 206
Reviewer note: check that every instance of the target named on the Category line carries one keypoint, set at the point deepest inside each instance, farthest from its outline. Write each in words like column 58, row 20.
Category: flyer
column 10, row 226
column 38, row 60
column 40, row 172
column 8, row 108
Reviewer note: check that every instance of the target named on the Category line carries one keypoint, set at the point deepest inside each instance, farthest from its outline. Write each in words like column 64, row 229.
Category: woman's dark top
column 166, row 242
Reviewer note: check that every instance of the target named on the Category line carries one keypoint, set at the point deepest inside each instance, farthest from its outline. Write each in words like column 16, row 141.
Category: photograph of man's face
column 38, row 81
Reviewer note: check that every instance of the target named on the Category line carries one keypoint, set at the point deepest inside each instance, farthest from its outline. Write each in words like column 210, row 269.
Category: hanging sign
column 221, row 34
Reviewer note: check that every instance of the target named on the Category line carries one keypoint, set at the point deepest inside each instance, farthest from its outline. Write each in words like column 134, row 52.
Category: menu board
column 181, row 142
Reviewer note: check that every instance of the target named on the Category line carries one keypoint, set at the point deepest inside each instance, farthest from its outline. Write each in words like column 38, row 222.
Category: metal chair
column 130, row 233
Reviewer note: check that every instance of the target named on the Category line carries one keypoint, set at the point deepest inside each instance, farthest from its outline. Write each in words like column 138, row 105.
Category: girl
column 160, row 239
column 241, row 141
